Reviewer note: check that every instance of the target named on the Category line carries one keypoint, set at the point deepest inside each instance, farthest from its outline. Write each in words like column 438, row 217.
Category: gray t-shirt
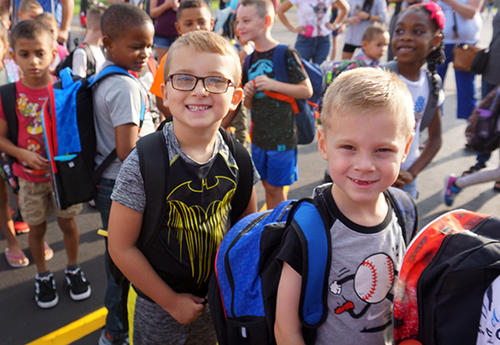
column 129, row 187
column 117, row 101
column 364, row 264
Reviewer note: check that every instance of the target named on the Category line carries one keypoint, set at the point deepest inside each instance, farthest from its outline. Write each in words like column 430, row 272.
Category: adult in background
column 490, row 79
column 164, row 14
column 465, row 16
column 362, row 14
column 314, row 27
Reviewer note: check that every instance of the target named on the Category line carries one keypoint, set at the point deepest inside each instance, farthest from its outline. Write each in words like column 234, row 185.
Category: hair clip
column 436, row 12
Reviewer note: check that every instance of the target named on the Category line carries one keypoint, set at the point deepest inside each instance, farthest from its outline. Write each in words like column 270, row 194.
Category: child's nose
column 364, row 162
column 199, row 88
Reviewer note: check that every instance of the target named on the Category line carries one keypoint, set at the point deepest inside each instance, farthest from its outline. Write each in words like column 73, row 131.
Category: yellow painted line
column 264, row 207
column 75, row 330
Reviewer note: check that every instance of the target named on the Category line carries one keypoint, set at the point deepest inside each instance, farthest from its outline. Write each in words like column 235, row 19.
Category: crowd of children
column 371, row 123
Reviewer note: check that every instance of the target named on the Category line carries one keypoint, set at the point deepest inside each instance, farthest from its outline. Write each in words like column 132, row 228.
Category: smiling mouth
column 362, row 182
column 197, row 107
column 407, row 49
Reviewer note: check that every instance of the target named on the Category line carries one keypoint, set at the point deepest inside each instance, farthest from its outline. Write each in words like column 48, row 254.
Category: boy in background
column 374, row 45
column 274, row 132
column 191, row 15
column 29, row 9
column 50, row 21
column 34, row 49
column 91, row 48
column 128, row 39
column 171, row 276
column 366, row 129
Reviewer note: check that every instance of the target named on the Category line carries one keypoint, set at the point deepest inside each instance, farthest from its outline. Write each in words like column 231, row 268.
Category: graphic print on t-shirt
column 261, row 67
column 372, row 283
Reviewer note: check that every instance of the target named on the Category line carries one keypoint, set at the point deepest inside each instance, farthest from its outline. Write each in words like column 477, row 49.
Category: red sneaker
column 21, row 227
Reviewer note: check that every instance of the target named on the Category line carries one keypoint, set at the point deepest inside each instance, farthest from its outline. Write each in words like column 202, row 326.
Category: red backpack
column 444, row 274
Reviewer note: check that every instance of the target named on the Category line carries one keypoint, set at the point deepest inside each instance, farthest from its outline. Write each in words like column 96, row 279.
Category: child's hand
column 354, row 20
column 175, row 4
column 404, row 178
column 187, row 308
column 299, row 29
column 34, row 160
column 263, row 82
column 249, row 89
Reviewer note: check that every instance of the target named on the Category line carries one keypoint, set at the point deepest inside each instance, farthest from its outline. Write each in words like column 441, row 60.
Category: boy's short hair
column 372, row 32
column 206, row 42
column 367, row 88
column 27, row 5
column 46, row 17
column 94, row 17
column 264, row 7
column 29, row 29
column 185, row 4
column 119, row 18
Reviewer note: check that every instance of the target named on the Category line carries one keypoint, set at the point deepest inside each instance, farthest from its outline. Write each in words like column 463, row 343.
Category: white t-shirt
column 314, row 13
column 80, row 60
column 420, row 93
column 489, row 323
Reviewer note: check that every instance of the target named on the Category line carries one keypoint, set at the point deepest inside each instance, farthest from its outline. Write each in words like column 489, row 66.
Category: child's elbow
column 308, row 91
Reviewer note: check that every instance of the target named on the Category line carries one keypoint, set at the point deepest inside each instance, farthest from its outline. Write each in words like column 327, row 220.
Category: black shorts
column 349, row 48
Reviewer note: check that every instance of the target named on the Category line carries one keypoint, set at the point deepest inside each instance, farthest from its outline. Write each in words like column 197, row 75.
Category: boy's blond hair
column 263, row 7
column 94, row 18
column 367, row 88
column 373, row 32
column 46, row 17
column 30, row 5
column 205, row 42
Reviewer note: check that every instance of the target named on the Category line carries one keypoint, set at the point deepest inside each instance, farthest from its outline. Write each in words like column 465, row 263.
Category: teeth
column 197, row 107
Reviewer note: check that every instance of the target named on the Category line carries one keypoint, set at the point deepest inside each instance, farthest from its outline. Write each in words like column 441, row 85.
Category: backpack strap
column 91, row 64
column 310, row 225
column 8, row 97
column 244, row 187
column 154, row 167
column 406, row 211
column 279, row 63
column 246, row 66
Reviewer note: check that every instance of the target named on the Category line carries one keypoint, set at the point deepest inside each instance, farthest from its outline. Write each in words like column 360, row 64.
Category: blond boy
column 367, row 125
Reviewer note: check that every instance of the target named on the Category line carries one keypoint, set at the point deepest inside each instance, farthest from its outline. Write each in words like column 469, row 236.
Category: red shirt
column 30, row 133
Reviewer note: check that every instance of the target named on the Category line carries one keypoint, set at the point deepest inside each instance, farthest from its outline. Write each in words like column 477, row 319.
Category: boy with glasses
column 170, row 275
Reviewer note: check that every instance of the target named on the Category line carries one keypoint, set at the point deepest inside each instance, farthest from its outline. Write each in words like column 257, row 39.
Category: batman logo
column 199, row 226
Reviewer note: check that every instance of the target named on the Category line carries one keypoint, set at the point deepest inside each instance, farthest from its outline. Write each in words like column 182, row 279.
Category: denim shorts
column 279, row 168
column 163, row 42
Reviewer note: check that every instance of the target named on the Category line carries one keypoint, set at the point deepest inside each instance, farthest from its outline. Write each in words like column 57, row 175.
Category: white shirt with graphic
column 314, row 15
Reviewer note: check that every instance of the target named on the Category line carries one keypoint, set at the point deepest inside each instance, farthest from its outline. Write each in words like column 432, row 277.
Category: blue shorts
column 279, row 168
column 163, row 42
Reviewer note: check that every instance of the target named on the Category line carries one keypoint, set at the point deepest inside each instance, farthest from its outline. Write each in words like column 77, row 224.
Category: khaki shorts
column 37, row 203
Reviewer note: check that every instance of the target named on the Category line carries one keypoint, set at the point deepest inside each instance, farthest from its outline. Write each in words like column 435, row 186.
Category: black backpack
column 444, row 274
column 68, row 60
column 153, row 161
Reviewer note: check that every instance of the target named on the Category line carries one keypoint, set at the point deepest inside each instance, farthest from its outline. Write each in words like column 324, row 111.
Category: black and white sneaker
column 45, row 291
column 79, row 287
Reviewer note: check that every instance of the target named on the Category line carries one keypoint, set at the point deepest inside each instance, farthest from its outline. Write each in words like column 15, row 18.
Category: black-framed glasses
column 187, row 82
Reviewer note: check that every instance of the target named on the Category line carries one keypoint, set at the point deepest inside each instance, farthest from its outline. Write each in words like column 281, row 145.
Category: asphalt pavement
column 21, row 321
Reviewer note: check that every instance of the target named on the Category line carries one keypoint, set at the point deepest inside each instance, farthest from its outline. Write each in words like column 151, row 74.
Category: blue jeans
column 313, row 49
column 466, row 98
column 115, row 325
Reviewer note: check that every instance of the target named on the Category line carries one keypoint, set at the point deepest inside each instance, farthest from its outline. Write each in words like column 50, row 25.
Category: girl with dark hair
column 418, row 40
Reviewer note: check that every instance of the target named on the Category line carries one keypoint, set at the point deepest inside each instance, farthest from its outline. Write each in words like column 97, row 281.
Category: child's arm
column 428, row 153
column 252, row 204
column 32, row 159
column 66, row 17
column 123, row 232
column 299, row 90
column 287, row 327
column 285, row 6
column 125, row 138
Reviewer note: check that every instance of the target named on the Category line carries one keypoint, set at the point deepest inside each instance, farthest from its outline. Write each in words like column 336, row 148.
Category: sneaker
column 450, row 190
column 107, row 339
column 45, row 291
column 79, row 287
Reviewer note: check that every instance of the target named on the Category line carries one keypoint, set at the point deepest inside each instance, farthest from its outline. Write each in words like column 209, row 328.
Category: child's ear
column 437, row 40
column 407, row 147
column 322, row 143
column 236, row 99
column 106, row 42
column 177, row 27
column 212, row 22
column 268, row 21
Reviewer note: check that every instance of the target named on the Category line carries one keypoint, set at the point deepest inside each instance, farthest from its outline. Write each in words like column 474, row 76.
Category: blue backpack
column 306, row 110
column 242, row 293
column 70, row 136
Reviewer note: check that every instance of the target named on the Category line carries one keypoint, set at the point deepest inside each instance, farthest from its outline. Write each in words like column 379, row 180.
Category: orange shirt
column 158, row 81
